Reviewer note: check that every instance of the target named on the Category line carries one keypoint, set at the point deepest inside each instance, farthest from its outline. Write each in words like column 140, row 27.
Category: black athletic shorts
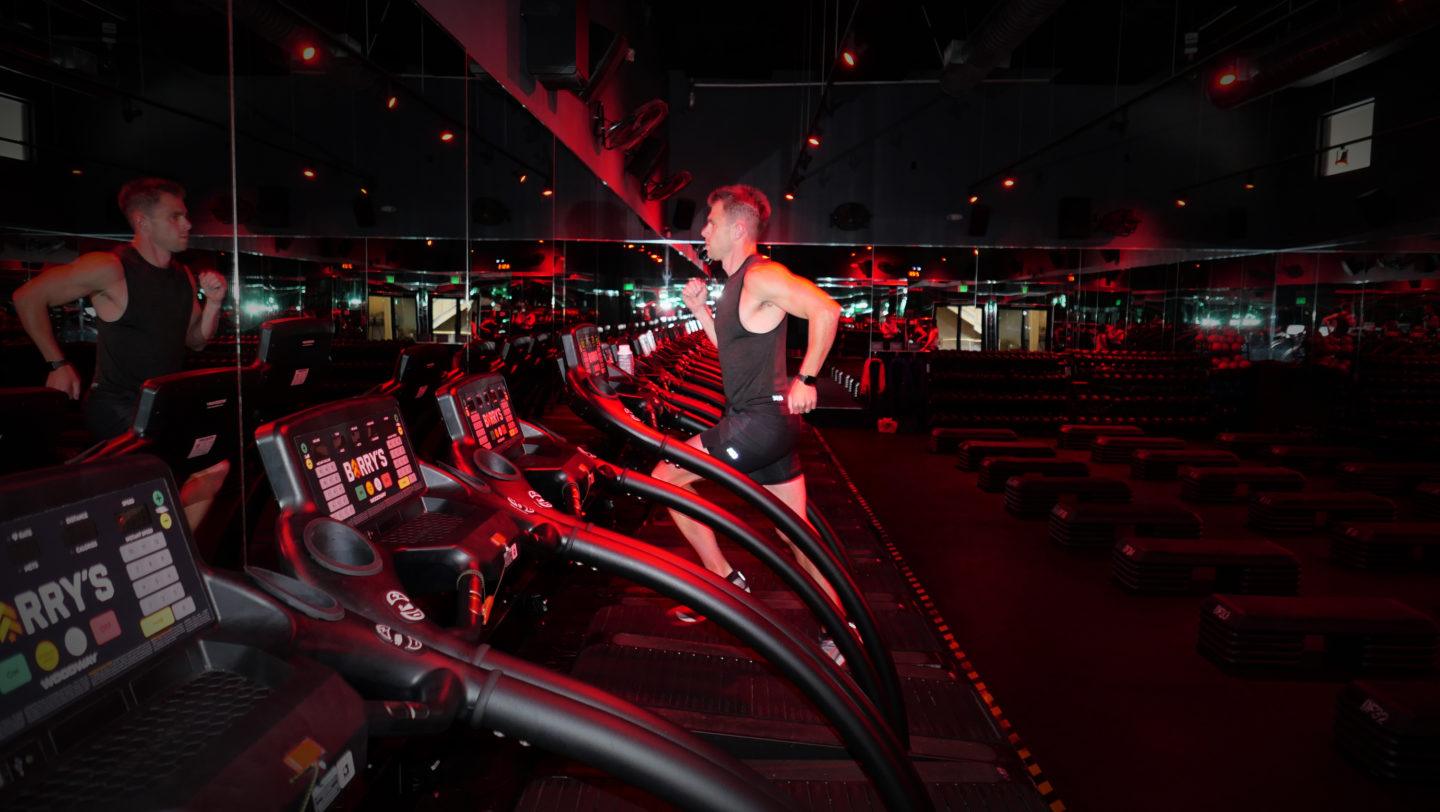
column 108, row 414
column 758, row 441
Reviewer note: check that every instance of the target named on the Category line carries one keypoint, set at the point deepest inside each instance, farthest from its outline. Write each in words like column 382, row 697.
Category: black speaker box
column 557, row 42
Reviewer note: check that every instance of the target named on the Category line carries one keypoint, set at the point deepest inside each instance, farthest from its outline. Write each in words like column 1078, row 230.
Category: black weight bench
column 1120, row 449
column 1033, row 495
column 1096, row 524
column 1345, row 634
column 1306, row 511
column 1253, row 443
column 996, row 471
column 947, row 440
column 973, row 452
column 1163, row 464
column 1391, row 730
column 1082, row 436
column 1232, row 484
column 1380, row 545
column 1316, row 457
column 1189, row 566
column 1386, row 478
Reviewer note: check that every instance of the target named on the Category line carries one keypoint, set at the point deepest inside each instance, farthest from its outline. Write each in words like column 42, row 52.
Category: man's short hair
column 739, row 200
column 142, row 194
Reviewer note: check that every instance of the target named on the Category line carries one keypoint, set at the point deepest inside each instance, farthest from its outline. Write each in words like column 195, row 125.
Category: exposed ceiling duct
column 1004, row 28
column 1345, row 42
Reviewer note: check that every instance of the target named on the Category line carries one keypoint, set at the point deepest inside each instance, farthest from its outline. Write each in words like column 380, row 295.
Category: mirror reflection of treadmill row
column 92, row 589
column 352, row 467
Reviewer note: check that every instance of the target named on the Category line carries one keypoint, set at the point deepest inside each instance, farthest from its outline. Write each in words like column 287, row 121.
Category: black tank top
column 149, row 337
column 752, row 364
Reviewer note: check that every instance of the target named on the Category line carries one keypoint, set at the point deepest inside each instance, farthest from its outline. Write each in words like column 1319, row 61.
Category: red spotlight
column 547, row 193
column 429, row 243
column 308, row 53
column 309, row 173
column 974, row 199
column 523, row 177
column 975, row 251
column 813, row 140
column 392, row 102
column 77, row 171
column 1249, row 186
column 447, row 136
column 789, row 195
column 1227, row 77
column 364, row 191
column 1008, row 183
column 1180, row 203
column 848, row 58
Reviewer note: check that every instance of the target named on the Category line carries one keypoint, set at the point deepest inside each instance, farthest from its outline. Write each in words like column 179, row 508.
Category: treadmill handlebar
column 414, row 689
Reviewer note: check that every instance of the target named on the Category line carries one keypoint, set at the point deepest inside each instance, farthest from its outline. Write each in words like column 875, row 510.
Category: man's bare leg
column 701, row 537
column 792, row 493
column 199, row 491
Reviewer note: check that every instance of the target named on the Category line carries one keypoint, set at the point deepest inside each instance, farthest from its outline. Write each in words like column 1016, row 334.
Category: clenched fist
column 213, row 286
column 694, row 294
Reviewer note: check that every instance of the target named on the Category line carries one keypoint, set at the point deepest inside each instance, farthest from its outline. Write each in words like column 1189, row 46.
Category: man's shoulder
column 767, row 272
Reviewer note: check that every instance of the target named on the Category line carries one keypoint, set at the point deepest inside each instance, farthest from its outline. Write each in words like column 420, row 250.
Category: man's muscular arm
column 799, row 297
column 694, row 297
column 203, row 321
column 91, row 275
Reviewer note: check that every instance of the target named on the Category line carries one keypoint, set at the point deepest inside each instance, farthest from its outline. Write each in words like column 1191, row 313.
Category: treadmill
column 697, row 676
column 426, row 556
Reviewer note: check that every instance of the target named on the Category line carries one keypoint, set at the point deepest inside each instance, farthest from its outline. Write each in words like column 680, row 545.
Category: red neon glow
column 974, row 199
column 789, row 195
column 1228, row 78
column 1249, row 187
column 1180, row 203
column 813, row 140
column 308, row 173
column 392, row 102
column 308, row 52
column 848, row 58
column 447, row 136
column 547, row 193
column 1008, row 183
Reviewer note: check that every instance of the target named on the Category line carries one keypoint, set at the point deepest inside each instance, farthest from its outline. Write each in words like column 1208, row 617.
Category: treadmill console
column 93, row 587
column 647, row 342
column 583, row 352
column 354, row 465
column 480, row 409
column 489, row 442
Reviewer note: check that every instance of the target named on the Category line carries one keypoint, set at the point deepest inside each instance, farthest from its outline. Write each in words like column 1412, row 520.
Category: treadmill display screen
column 88, row 591
column 592, row 359
column 488, row 413
column 353, row 466
column 647, row 342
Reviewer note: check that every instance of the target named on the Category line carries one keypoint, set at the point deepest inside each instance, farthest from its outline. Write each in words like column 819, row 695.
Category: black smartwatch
column 808, row 380
column 54, row 365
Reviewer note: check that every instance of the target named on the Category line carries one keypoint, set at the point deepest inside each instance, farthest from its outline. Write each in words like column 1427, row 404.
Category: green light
column 1024, row 289
column 454, row 280
column 1300, row 300
column 1119, row 302
column 390, row 278
column 628, row 286
column 964, row 288
column 1063, row 300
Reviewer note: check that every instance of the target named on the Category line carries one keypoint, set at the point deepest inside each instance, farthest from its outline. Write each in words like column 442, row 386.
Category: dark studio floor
column 1106, row 688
